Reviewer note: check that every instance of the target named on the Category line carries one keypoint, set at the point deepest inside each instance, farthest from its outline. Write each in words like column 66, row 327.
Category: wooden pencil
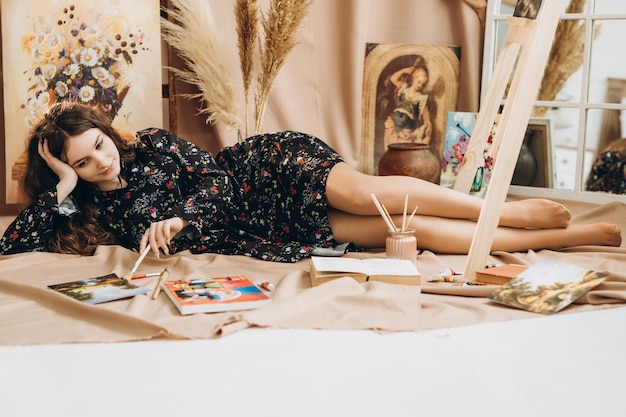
column 393, row 226
column 162, row 278
column 411, row 216
column 385, row 217
column 406, row 203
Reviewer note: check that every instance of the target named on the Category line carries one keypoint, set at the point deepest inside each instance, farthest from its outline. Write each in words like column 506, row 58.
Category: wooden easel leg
column 473, row 157
column 535, row 38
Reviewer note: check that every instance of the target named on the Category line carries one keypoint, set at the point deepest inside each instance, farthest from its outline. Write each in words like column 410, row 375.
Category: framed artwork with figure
column 104, row 53
column 408, row 91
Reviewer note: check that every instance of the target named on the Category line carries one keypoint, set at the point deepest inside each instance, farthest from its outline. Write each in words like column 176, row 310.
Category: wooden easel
column 522, row 60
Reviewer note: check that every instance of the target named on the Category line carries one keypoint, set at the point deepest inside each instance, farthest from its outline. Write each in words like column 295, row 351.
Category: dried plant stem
column 247, row 20
column 192, row 31
column 566, row 55
column 279, row 29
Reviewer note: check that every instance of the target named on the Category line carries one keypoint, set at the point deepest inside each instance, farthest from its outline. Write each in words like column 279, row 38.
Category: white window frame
column 581, row 105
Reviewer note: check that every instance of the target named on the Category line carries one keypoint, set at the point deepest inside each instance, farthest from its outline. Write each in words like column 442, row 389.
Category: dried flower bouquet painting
column 106, row 53
column 86, row 65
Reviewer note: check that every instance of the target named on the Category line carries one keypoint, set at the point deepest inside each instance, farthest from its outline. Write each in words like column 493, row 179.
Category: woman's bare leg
column 349, row 190
column 454, row 236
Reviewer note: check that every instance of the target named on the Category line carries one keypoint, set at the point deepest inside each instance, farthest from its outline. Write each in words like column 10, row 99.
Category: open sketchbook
column 394, row 271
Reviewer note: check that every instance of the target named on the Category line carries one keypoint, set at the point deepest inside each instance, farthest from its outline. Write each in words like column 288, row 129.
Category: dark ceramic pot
column 410, row 159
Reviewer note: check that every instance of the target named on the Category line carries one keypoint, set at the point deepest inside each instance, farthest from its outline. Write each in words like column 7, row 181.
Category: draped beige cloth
column 30, row 313
column 318, row 92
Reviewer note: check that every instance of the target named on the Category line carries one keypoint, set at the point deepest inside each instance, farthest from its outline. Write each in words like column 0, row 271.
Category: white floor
column 563, row 365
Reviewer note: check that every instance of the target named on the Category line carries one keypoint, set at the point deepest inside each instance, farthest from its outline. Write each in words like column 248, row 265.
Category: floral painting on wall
column 105, row 53
column 459, row 129
column 533, row 167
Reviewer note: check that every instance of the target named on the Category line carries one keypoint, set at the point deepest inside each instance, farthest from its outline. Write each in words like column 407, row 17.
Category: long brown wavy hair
column 81, row 232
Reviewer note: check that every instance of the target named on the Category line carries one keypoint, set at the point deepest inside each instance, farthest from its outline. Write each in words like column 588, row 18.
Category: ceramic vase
column 410, row 159
column 401, row 245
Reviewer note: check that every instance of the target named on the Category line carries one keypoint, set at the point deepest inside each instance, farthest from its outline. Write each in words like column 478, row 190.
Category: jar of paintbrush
column 401, row 244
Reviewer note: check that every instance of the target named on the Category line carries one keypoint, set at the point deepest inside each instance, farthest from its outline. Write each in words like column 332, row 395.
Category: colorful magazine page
column 548, row 286
column 99, row 289
column 208, row 295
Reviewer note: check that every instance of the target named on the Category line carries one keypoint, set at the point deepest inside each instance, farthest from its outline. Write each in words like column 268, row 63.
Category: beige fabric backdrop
column 318, row 91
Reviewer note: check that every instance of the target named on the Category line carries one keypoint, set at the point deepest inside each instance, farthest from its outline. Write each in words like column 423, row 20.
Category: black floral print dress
column 608, row 173
column 264, row 197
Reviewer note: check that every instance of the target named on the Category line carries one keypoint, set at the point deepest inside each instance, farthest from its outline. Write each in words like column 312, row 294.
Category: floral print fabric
column 264, row 197
column 608, row 173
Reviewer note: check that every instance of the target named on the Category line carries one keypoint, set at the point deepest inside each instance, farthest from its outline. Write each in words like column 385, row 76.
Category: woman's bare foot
column 599, row 234
column 534, row 213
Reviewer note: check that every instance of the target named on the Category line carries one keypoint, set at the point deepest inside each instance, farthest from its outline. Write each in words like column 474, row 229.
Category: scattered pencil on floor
column 148, row 275
column 162, row 279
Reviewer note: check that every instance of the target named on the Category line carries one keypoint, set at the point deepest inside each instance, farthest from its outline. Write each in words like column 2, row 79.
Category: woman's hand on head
column 159, row 235
column 60, row 168
column 68, row 178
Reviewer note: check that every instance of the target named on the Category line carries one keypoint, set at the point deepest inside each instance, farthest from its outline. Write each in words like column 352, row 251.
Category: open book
column 394, row 271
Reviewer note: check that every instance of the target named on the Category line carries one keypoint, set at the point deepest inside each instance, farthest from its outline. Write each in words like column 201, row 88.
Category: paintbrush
column 129, row 275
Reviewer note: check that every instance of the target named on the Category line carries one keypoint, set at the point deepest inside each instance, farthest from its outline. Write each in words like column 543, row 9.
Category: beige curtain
column 318, row 91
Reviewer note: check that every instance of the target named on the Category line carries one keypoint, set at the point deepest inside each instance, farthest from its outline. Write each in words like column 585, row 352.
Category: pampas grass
column 566, row 55
column 279, row 28
column 192, row 32
column 247, row 20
